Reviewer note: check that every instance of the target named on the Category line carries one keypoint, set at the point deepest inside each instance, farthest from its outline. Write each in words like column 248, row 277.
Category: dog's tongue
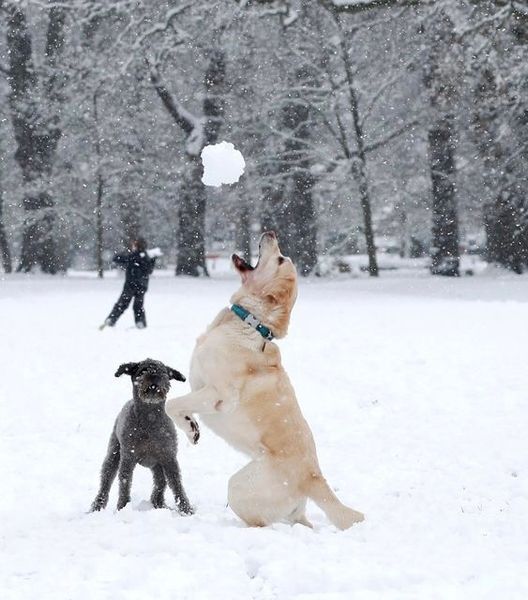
column 241, row 264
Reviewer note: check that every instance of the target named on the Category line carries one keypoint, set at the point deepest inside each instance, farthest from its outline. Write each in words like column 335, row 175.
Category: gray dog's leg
column 172, row 473
column 160, row 483
column 126, row 468
column 108, row 473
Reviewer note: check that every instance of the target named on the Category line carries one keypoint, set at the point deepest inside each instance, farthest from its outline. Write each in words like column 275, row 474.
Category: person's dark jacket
column 138, row 266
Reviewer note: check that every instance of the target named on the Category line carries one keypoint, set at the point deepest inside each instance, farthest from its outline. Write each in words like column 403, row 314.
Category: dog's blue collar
column 251, row 320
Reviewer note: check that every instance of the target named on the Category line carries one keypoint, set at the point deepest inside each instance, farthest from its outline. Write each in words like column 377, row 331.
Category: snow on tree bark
column 37, row 132
column 99, row 192
column 498, row 135
column 5, row 252
column 445, row 251
column 441, row 82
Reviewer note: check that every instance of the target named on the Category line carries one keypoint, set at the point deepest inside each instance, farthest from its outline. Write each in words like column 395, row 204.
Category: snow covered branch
column 391, row 136
column 192, row 125
column 388, row 83
column 357, row 6
column 493, row 20
column 288, row 10
column 163, row 26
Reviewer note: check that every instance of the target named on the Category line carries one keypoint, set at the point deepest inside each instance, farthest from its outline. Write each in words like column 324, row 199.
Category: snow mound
column 222, row 164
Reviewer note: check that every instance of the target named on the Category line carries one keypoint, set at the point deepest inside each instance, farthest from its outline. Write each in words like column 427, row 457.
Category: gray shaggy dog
column 144, row 434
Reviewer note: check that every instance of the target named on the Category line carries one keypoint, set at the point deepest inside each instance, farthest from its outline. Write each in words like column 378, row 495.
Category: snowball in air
column 222, row 164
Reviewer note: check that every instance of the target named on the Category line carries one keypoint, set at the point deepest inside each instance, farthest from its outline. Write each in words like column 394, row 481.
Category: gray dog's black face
column 151, row 379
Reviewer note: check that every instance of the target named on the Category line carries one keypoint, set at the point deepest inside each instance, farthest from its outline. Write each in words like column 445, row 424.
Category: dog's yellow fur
column 242, row 392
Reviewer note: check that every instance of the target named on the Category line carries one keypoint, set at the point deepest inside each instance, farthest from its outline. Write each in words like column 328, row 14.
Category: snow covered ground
column 416, row 390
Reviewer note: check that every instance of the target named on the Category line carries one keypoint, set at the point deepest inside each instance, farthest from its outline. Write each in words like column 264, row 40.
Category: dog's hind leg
column 160, row 483
column 299, row 515
column 260, row 494
column 172, row 473
column 318, row 490
column 126, row 469
column 108, row 473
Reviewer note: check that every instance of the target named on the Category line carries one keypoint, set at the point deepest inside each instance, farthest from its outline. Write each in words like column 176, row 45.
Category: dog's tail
column 318, row 490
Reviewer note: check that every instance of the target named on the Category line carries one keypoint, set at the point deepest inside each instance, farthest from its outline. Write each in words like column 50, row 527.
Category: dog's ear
column 127, row 368
column 173, row 374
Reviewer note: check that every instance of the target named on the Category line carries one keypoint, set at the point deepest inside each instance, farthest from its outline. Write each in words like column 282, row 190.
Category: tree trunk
column 441, row 79
column 243, row 232
column 292, row 201
column 404, row 237
column 303, row 224
column 191, row 222
column 506, row 238
column 271, row 198
column 504, row 209
column 445, row 251
column 129, row 210
column 190, row 259
column 36, row 137
column 99, row 227
column 4, row 244
column 99, row 195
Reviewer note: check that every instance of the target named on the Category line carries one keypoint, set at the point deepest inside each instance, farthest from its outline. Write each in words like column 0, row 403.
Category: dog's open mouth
column 241, row 264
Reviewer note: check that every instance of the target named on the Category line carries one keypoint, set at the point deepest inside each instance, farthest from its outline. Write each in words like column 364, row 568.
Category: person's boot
column 140, row 325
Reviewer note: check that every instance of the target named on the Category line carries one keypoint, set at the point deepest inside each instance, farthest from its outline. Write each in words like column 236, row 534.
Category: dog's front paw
column 157, row 501
column 184, row 507
column 98, row 504
column 188, row 425
column 192, row 430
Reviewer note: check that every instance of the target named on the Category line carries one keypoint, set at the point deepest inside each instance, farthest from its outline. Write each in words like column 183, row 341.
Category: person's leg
column 139, row 310
column 120, row 306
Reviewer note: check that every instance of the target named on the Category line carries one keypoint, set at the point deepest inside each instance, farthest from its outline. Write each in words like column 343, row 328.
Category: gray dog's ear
column 173, row 374
column 127, row 368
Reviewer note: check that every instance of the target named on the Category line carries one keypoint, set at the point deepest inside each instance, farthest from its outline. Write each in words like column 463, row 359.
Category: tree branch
column 182, row 117
column 163, row 26
column 359, row 6
column 192, row 125
column 396, row 133
column 383, row 88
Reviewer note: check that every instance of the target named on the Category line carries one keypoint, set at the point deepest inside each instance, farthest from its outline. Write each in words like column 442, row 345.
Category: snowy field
column 416, row 390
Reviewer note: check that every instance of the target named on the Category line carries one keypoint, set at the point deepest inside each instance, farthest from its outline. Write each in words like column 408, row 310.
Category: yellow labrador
column 241, row 391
